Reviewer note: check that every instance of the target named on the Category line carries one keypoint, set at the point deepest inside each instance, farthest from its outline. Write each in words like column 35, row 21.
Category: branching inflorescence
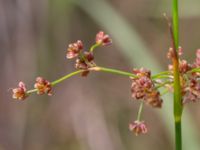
column 144, row 88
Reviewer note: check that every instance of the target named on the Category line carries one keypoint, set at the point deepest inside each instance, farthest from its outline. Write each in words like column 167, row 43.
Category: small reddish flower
column 103, row 38
column 74, row 49
column 20, row 92
column 43, row 86
column 138, row 127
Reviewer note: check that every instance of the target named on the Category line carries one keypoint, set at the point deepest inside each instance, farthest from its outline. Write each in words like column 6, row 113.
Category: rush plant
column 181, row 78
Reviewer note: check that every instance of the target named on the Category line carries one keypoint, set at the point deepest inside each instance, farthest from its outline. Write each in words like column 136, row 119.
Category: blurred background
column 90, row 113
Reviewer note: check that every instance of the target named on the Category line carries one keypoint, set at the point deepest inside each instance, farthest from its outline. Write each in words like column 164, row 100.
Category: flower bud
column 103, row 38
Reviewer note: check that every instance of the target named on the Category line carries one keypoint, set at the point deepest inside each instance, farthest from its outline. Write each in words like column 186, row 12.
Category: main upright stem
column 178, row 135
column 177, row 85
column 176, row 22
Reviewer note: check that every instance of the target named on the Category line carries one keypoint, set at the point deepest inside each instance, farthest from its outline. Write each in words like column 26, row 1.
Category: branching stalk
column 102, row 69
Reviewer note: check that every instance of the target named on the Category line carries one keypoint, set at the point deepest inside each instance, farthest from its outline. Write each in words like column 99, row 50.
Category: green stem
column 163, row 77
column 140, row 112
column 31, row 91
column 178, row 135
column 164, row 74
column 94, row 46
column 177, row 85
column 163, row 84
column 66, row 77
column 115, row 71
column 194, row 70
column 161, row 74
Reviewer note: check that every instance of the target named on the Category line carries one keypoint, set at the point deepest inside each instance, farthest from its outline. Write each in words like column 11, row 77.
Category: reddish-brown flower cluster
column 191, row 84
column 143, row 88
column 189, row 80
column 20, row 92
column 43, row 86
column 192, row 91
column 85, row 59
column 184, row 66
column 138, row 127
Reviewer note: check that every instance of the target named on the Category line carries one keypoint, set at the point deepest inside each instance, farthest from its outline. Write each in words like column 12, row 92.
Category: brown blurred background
column 90, row 113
